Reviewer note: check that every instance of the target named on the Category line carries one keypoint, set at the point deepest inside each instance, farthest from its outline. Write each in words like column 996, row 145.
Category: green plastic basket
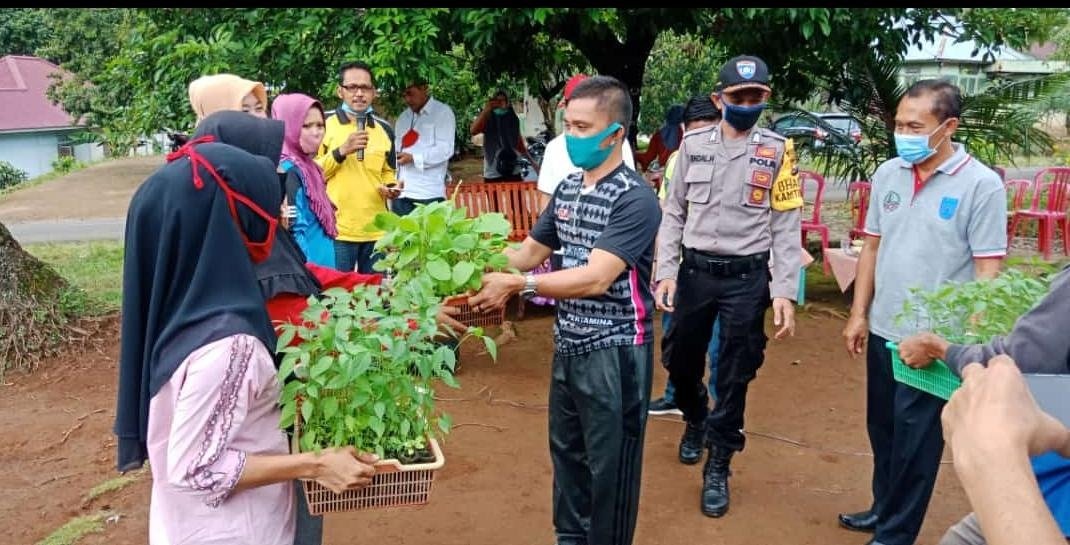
column 936, row 379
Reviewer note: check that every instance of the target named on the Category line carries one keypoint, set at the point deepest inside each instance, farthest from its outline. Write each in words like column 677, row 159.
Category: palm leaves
column 996, row 124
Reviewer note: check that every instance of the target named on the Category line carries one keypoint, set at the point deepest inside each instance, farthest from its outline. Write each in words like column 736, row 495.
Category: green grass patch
column 822, row 288
column 46, row 177
column 111, row 485
column 1035, row 264
column 76, row 528
column 95, row 267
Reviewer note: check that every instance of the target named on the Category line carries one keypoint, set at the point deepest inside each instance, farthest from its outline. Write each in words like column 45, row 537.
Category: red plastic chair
column 858, row 201
column 814, row 222
column 1018, row 190
column 1051, row 187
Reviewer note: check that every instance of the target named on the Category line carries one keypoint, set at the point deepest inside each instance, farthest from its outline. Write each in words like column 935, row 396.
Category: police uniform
column 725, row 217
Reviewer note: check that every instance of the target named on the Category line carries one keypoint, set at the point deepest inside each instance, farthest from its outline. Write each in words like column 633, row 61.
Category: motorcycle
column 537, row 145
column 177, row 139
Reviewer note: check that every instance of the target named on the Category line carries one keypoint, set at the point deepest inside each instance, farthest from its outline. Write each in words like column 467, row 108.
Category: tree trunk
column 625, row 61
column 31, row 313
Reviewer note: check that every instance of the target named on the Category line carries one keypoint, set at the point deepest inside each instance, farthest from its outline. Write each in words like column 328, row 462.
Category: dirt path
column 98, row 191
column 807, row 456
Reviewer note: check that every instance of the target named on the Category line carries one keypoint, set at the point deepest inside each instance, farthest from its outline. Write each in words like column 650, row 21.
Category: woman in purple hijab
column 313, row 226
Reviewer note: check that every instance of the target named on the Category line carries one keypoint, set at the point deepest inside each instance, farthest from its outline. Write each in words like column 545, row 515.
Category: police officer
column 732, row 212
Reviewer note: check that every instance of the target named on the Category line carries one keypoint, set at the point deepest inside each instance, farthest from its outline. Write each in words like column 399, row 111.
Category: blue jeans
column 712, row 349
column 355, row 256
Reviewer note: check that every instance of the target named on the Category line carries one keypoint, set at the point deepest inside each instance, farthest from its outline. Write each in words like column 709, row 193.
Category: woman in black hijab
column 197, row 389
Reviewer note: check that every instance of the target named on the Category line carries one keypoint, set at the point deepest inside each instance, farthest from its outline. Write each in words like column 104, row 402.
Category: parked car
column 819, row 129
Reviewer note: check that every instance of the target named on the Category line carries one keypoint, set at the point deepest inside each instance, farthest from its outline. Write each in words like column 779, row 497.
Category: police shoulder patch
column 773, row 135
column 700, row 130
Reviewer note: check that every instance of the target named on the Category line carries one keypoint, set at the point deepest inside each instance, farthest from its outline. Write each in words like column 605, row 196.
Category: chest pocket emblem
column 948, row 206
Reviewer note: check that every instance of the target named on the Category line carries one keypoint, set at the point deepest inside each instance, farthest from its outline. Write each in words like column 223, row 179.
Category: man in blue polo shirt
column 936, row 215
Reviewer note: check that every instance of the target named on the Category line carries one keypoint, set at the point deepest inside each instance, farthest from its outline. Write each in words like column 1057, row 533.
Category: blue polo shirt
column 930, row 236
column 1053, row 477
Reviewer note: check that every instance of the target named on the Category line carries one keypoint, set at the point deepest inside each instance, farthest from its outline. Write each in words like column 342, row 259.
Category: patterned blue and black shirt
column 620, row 215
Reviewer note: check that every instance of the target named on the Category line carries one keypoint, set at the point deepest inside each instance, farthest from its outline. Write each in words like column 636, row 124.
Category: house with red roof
column 34, row 132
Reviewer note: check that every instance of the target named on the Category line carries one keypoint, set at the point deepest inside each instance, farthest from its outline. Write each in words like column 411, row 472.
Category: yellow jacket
column 352, row 185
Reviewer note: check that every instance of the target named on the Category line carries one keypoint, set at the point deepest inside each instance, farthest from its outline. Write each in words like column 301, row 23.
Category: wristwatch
column 529, row 286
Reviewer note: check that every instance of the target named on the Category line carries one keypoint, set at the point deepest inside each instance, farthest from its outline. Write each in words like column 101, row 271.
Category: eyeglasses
column 354, row 87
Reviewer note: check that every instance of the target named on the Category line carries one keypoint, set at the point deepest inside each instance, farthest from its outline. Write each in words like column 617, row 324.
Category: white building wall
column 31, row 152
column 89, row 153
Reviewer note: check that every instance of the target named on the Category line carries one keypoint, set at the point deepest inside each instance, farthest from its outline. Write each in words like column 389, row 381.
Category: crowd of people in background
column 253, row 215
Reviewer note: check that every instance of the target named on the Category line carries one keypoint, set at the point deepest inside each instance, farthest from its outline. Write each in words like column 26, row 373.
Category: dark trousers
column 907, row 441
column 740, row 300
column 404, row 206
column 356, row 256
column 308, row 530
column 598, row 404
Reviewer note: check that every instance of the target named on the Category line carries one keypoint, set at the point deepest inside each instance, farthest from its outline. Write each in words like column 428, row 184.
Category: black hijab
column 188, row 279
column 284, row 270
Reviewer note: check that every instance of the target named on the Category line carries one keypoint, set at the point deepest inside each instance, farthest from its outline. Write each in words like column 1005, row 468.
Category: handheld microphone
column 362, row 120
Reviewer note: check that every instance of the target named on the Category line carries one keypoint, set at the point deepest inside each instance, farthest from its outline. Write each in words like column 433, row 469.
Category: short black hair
column 415, row 81
column 947, row 98
column 701, row 108
column 350, row 65
column 612, row 97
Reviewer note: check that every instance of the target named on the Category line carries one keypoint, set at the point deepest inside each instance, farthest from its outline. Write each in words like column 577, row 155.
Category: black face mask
column 742, row 118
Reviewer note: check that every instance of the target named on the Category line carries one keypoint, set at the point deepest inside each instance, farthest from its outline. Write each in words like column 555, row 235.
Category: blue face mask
column 585, row 151
column 500, row 111
column 742, row 118
column 914, row 148
column 349, row 109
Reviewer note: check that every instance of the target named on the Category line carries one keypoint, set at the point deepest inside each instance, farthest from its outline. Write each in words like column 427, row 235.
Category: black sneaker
column 663, row 406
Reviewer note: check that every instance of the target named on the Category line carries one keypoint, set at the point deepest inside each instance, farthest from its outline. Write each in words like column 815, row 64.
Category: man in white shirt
column 555, row 162
column 424, row 137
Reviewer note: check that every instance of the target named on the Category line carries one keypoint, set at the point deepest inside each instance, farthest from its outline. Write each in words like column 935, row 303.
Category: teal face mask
column 584, row 151
column 500, row 111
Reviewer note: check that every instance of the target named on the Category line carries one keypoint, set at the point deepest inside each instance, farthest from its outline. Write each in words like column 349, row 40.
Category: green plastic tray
column 936, row 379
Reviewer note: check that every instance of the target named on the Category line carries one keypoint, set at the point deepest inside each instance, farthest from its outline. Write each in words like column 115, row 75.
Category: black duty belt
column 726, row 265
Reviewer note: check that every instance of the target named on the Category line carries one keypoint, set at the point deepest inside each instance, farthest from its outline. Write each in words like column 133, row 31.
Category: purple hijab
column 291, row 109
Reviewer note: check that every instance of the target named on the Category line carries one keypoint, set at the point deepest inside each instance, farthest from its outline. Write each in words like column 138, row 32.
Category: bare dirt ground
column 807, row 456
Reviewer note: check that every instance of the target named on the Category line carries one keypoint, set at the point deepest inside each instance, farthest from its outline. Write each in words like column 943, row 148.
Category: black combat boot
column 691, row 443
column 715, row 482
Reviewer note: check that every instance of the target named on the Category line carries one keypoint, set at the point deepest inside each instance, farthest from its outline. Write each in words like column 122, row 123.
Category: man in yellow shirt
column 357, row 156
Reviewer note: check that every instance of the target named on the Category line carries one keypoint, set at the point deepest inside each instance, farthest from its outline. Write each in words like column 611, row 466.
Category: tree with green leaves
column 997, row 123
column 680, row 66
column 23, row 31
column 142, row 87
